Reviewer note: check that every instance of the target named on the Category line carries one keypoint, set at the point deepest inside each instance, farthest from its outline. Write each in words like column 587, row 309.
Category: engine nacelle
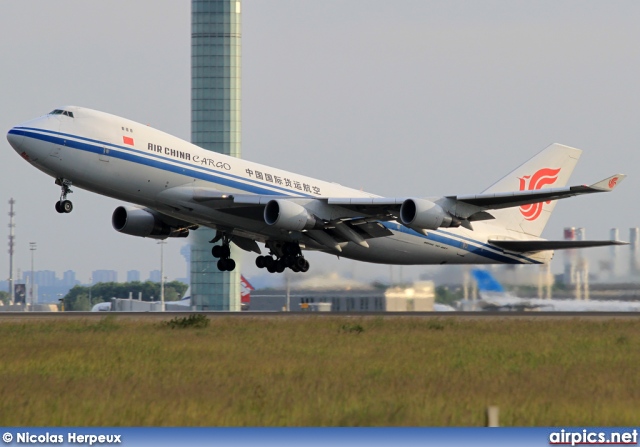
column 144, row 223
column 288, row 215
column 425, row 215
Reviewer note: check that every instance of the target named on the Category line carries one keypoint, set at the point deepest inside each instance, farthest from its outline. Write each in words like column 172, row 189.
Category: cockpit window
column 62, row 112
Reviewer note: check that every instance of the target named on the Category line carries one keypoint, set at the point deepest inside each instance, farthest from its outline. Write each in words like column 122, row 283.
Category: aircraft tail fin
column 550, row 168
column 486, row 281
column 494, row 297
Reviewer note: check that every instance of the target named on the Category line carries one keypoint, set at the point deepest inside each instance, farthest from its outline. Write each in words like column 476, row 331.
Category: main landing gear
column 63, row 205
column 225, row 263
column 283, row 255
column 290, row 257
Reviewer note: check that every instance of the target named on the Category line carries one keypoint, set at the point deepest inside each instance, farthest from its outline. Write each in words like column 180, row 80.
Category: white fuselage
column 130, row 161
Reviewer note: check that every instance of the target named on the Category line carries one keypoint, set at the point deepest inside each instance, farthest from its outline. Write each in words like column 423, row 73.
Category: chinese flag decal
column 127, row 140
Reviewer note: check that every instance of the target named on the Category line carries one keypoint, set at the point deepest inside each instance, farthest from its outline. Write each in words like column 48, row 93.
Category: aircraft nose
column 15, row 137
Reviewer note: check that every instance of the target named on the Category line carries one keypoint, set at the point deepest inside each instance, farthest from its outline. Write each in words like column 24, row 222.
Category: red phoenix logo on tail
column 545, row 176
column 613, row 182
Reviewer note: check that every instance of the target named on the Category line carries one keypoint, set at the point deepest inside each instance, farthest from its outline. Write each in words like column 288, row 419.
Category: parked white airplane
column 493, row 297
column 102, row 307
column 179, row 186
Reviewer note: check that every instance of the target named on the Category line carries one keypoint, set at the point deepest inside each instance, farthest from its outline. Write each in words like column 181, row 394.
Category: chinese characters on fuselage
column 283, row 181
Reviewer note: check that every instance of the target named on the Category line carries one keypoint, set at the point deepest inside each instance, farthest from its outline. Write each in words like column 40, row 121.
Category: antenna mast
column 12, row 238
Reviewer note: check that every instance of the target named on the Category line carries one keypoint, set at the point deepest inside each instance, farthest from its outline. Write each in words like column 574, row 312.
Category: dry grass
column 331, row 371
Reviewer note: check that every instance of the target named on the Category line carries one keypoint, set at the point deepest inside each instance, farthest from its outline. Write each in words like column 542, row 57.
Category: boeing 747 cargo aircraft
column 176, row 187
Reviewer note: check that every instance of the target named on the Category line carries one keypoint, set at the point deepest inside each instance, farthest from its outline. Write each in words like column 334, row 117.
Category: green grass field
column 320, row 371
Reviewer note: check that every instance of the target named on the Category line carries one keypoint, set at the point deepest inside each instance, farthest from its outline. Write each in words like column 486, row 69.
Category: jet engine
column 425, row 215
column 144, row 223
column 288, row 215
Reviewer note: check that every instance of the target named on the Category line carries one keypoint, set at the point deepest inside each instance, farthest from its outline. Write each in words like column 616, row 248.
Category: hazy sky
column 398, row 98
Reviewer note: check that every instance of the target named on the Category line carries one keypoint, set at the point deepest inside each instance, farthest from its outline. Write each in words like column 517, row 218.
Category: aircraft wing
column 539, row 245
column 384, row 208
column 331, row 225
column 355, row 219
column 473, row 207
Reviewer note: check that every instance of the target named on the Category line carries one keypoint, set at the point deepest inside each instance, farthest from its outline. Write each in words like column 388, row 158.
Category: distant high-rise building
column 569, row 276
column 612, row 265
column 154, row 276
column 45, row 278
column 69, row 278
column 104, row 276
column 133, row 275
column 634, row 245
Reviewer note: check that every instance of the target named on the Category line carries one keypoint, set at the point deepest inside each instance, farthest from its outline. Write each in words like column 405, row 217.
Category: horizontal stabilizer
column 527, row 246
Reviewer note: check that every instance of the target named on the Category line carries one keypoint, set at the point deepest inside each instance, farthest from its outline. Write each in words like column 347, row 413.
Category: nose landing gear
column 63, row 205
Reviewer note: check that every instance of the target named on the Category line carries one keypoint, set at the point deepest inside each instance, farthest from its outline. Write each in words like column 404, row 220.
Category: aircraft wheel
column 306, row 266
column 59, row 208
column 222, row 265
column 269, row 263
column 271, row 268
column 66, row 206
column 295, row 268
column 260, row 262
column 230, row 265
column 300, row 262
column 216, row 251
column 280, row 266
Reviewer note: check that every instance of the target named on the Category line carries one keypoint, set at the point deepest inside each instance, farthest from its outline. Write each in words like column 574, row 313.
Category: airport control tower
column 215, row 125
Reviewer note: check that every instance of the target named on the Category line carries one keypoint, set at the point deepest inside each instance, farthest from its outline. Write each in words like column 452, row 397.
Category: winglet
column 609, row 183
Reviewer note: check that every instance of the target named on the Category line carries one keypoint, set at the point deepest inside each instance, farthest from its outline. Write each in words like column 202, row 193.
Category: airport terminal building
column 420, row 297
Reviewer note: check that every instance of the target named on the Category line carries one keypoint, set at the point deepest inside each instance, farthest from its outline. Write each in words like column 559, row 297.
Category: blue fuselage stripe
column 441, row 237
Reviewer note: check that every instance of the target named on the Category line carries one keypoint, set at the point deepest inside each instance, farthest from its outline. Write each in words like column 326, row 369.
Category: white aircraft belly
column 436, row 248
